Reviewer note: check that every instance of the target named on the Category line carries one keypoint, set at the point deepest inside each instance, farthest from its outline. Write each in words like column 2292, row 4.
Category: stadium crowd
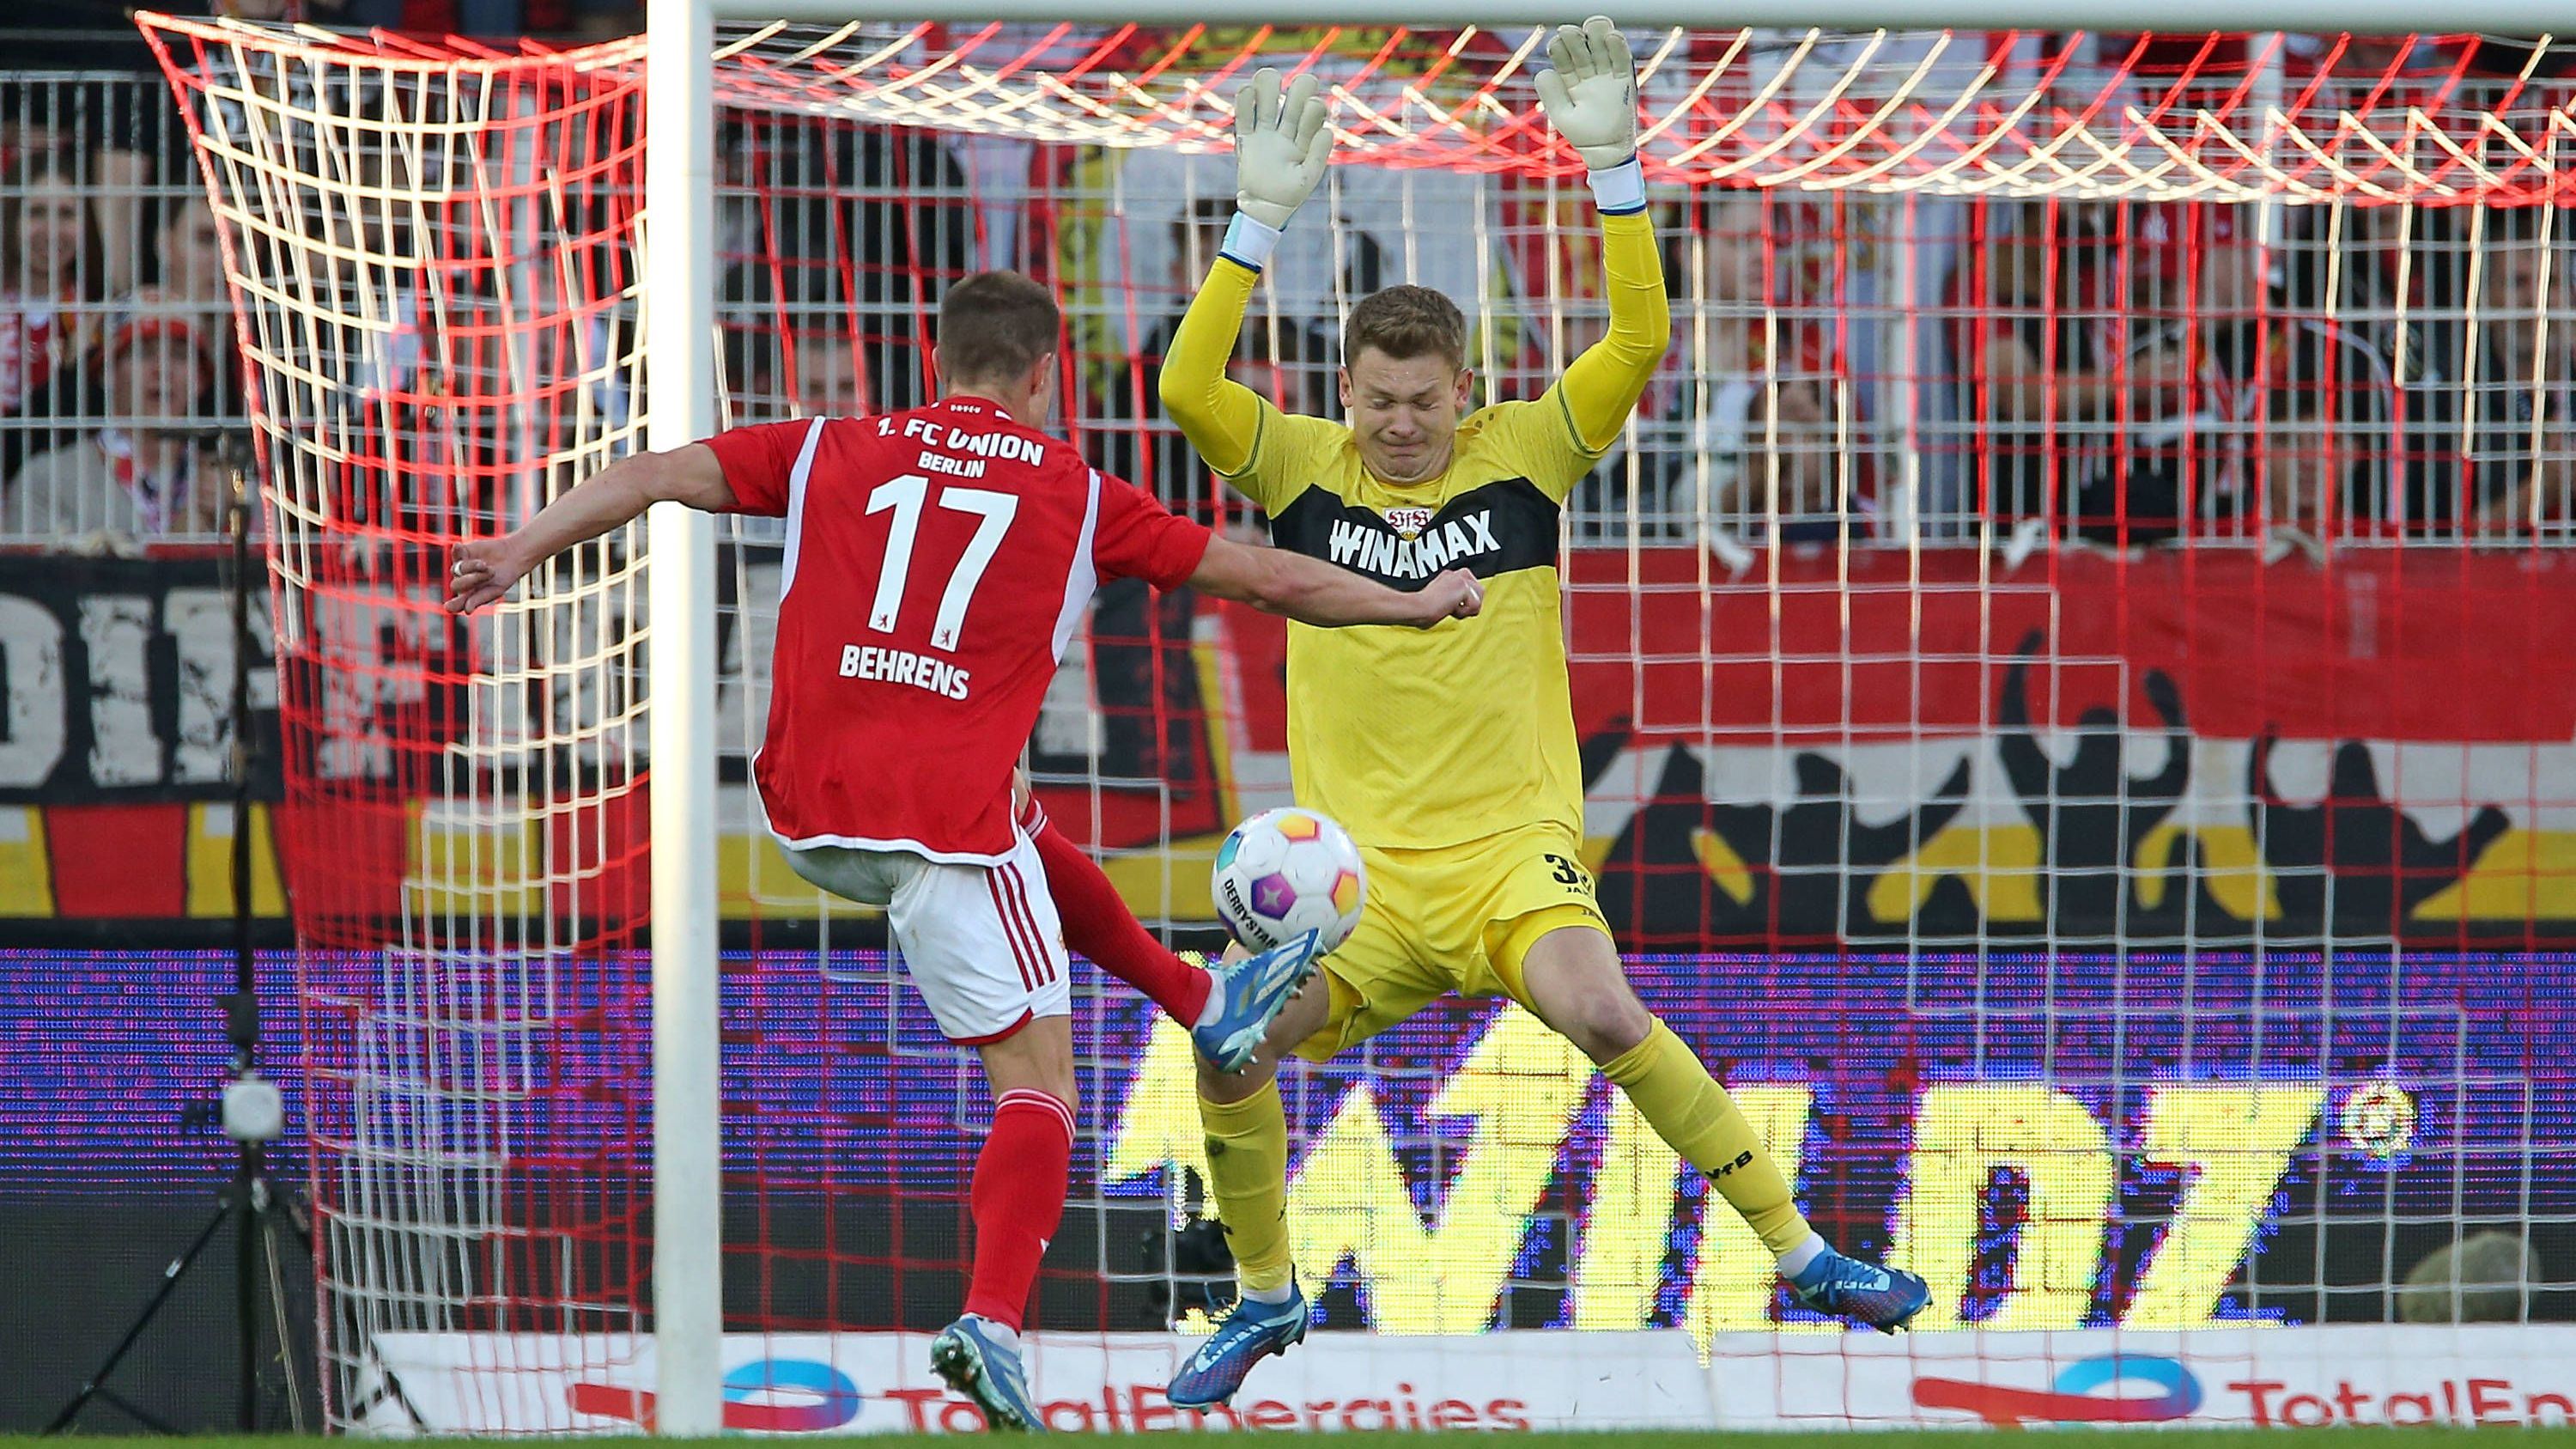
column 1843, row 368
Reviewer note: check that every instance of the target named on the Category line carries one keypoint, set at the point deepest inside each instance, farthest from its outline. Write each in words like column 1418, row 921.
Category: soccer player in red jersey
column 937, row 561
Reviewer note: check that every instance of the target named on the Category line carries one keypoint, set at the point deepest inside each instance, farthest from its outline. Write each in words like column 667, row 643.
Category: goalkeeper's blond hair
column 1404, row 323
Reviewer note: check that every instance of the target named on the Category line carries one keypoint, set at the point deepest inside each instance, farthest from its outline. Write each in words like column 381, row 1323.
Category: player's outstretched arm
column 1590, row 96
column 486, row 569
column 1312, row 591
column 1281, row 145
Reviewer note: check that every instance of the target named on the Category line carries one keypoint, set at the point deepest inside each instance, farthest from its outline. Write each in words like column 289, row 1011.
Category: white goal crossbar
column 2358, row 17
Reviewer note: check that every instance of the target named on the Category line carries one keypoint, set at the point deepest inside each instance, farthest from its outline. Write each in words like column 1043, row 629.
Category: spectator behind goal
column 51, row 268
column 147, row 472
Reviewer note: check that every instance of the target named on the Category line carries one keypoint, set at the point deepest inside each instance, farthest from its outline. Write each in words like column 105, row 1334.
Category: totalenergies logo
column 767, row 1396
column 2092, row 1391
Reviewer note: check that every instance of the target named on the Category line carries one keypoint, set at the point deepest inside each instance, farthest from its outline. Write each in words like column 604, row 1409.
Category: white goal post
column 680, row 543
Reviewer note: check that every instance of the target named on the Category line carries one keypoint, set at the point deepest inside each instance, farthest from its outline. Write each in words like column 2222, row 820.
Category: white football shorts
column 982, row 943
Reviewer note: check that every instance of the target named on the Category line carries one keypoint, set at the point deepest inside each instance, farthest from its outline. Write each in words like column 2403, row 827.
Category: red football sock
column 1017, row 1199
column 1098, row 925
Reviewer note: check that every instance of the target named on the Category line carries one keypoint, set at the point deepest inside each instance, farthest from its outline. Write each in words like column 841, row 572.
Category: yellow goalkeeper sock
column 1247, row 1153
column 1688, row 1109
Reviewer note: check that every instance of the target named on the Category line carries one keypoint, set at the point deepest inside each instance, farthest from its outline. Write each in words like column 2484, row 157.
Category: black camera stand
column 264, row 1216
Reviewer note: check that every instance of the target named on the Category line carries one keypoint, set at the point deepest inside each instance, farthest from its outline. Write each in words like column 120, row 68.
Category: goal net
column 2075, row 726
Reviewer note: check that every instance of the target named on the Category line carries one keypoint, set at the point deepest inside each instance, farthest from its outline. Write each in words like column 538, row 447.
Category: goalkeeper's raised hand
column 1281, row 146
column 1591, row 98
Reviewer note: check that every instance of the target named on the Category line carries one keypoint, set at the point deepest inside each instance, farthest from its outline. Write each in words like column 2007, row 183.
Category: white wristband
column 1621, row 189
column 1250, row 241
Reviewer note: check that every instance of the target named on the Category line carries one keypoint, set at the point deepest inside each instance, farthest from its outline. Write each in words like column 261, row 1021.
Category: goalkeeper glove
column 1280, row 150
column 1591, row 98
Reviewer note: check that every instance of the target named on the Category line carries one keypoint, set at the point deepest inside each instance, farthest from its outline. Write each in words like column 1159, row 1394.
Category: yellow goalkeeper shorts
column 1459, row 918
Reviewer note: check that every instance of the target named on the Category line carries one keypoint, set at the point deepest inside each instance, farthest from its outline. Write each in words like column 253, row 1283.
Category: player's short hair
column 1407, row 322
column 996, row 325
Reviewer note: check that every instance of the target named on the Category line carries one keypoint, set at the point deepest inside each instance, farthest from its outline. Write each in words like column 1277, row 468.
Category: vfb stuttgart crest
column 1408, row 522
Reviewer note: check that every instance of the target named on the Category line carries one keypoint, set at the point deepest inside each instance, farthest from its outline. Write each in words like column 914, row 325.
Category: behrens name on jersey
column 902, row 666
column 1375, row 551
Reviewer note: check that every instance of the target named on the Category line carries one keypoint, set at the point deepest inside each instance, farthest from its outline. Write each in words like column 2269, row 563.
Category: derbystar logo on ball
column 1285, row 872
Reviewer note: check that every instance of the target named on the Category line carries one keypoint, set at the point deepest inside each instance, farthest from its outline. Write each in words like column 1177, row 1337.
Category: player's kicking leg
column 1226, row 1007
column 1247, row 1132
column 1573, row 981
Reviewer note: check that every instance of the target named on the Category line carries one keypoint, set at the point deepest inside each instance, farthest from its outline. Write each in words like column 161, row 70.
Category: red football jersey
column 937, row 562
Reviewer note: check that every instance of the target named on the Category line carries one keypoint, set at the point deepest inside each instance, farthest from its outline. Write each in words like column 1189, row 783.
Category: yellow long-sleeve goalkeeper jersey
column 1416, row 738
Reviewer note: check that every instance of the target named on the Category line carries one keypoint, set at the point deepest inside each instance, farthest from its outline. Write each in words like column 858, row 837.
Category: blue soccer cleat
column 975, row 1362
column 1249, row 1332
column 1250, row 994
column 1883, row 1298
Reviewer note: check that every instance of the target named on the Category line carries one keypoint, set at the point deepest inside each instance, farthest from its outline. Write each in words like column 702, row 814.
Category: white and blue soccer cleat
column 1250, row 1332
column 977, row 1362
column 1250, row 994
column 1882, row 1298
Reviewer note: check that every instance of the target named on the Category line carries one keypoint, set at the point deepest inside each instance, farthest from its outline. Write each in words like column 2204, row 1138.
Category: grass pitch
column 2427, row 1437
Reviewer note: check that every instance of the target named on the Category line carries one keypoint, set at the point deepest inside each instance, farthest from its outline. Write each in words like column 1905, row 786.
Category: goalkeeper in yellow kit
column 1449, row 754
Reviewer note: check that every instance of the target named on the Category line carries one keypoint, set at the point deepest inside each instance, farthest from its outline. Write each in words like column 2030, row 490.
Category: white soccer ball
column 1285, row 872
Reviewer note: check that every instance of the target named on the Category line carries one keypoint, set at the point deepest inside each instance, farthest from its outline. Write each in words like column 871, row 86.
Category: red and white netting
column 2157, row 393
column 1966, row 113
